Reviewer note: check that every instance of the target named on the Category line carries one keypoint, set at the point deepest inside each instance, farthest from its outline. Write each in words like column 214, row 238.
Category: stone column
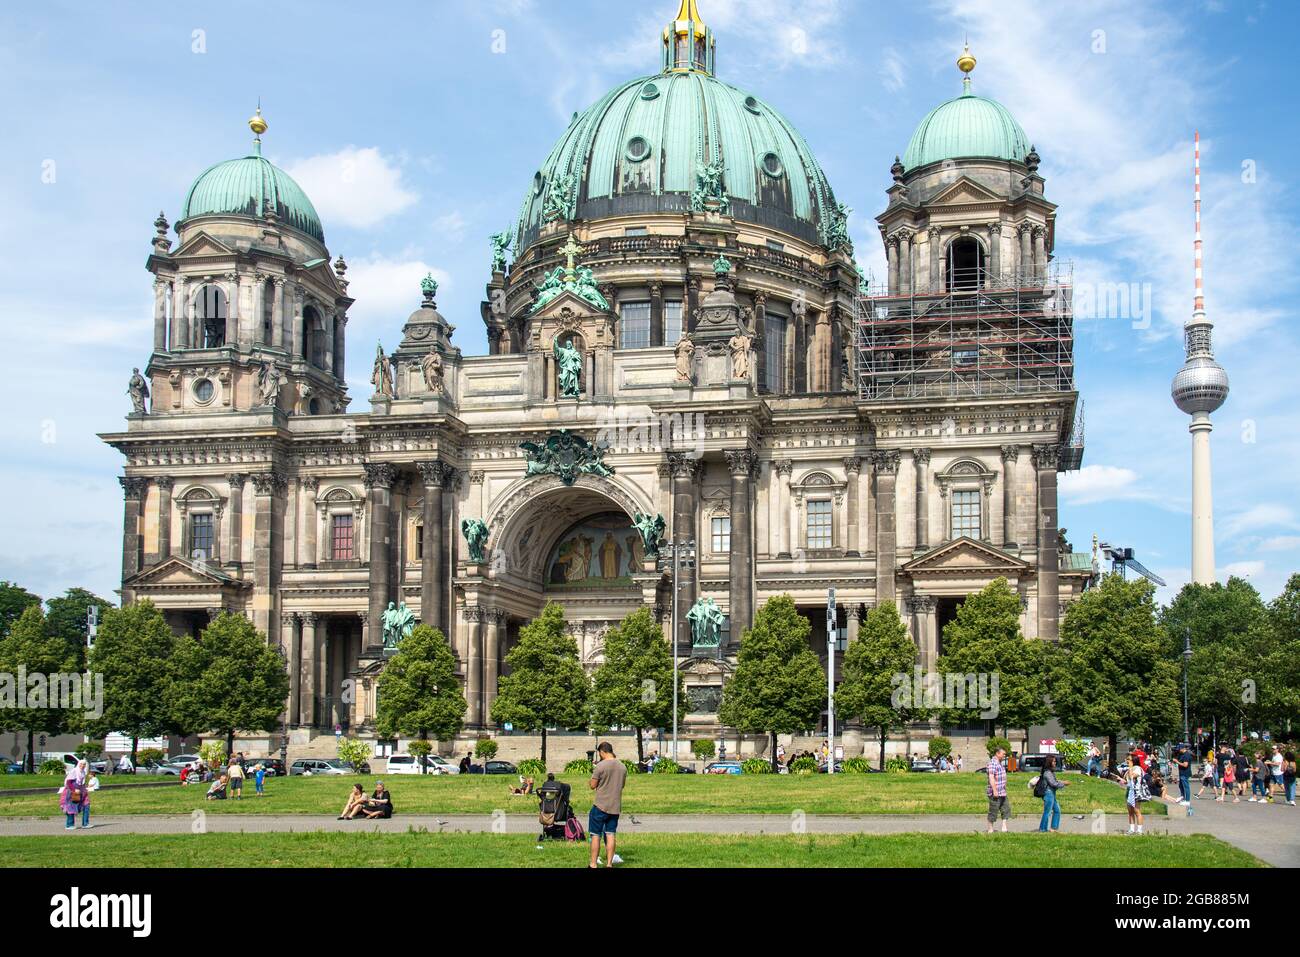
column 685, row 471
column 927, row 640
column 986, row 511
column 784, row 468
column 179, row 332
column 268, row 487
column 855, row 621
column 159, row 316
column 921, row 459
column 886, row 467
column 656, row 314
column 936, row 276
column 293, row 648
column 891, row 251
column 494, row 641
column 296, row 319
column 310, row 486
column 133, row 492
column 474, row 667
column 328, row 320
column 1026, row 269
column 340, row 345
column 232, row 309
column 1049, row 561
column 742, row 464
column 437, row 475
column 277, row 314
column 905, row 263
column 995, row 255
column 235, row 533
column 163, row 548
column 1010, row 453
column 853, row 471
column 1040, row 252
column 379, row 490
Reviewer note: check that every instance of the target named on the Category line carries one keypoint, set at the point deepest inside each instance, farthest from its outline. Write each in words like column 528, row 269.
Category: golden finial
column 966, row 62
column 256, row 122
column 690, row 11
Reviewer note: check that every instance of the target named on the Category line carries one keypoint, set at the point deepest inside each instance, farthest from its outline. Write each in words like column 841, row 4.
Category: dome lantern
column 688, row 43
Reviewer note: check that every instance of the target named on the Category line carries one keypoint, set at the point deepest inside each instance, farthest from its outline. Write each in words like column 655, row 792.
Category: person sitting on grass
column 379, row 804
column 218, row 790
column 525, row 787
column 356, row 801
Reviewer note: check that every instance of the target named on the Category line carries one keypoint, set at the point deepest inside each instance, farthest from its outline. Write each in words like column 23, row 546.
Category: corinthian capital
column 379, row 475
column 742, row 461
column 885, row 461
column 1046, row 457
column 681, row 465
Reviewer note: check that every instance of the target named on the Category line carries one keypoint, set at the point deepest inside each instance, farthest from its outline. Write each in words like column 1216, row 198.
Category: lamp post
column 681, row 557
column 1187, row 660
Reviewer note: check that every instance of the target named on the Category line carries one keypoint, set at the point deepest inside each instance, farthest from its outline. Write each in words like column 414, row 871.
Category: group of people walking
column 1227, row 772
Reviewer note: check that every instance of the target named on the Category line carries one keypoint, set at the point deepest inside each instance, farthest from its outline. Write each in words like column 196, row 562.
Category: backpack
column 1039, row 784
column 1142, row 788
column 573, row 830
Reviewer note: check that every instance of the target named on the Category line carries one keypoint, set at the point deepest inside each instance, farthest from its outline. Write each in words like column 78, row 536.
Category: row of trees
column 154, row 682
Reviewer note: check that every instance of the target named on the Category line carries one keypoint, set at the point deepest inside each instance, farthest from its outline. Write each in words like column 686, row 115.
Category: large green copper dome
column 642, row 146
column 967, row 127
column 247, row 186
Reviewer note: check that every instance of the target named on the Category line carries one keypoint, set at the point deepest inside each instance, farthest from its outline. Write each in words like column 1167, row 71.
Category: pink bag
column 573, row 830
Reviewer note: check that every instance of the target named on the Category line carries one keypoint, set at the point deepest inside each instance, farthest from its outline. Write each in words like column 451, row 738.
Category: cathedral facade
column 677, row 330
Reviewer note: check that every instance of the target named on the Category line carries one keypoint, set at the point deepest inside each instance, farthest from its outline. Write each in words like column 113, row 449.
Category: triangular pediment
column 204, row 245
column 321, row 269
column 966, row 555
column 964, row 192
column 179, row 572
column 567, row 304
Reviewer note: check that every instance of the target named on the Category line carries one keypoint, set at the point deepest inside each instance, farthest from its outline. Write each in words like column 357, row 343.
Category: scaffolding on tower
column 981, row 337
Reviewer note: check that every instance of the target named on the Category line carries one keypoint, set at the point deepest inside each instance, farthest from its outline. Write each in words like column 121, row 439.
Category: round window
column 204, row 390
column 772, row 165
column 751, row 104
column 539, row 182
column 649, row 91
column 638, row 149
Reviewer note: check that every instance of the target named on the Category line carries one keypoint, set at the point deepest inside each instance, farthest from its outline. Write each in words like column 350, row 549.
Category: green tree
column 29, row 646
column 133, row 652
column 1280, row 684
column 354, row 752
column 633, row 687
column 229, row 680
column 779, row 686
column 1112, row 675
column 14, row 600
column 546, row 686
column 985, row 639
column 66, row 617
column 419, row 695
column 870, row 691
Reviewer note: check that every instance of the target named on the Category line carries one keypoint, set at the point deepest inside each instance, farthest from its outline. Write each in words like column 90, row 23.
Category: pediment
column 966, row 555
column 322, row 271
column 181, row 573
column 567, row 304
column 964, row 192
column 204, row 245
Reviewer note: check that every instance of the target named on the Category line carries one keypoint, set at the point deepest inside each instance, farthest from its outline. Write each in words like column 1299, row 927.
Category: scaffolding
column 981, row 337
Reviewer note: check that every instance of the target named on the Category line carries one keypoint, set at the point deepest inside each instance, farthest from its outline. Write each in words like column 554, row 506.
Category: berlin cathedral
column 679, row 338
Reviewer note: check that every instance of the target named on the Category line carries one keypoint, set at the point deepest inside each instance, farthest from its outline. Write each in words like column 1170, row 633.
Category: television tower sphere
column 1201, row 385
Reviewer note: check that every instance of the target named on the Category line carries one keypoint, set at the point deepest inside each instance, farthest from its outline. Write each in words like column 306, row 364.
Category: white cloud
column 1246, row 570
column 893, row 72
column 1099, row 483
column 354, row 187
column 1266, row 515
column 1280, row 543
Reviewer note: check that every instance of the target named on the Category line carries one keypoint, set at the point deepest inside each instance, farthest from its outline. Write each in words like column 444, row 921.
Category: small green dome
column 640, row 147
column 247, row 186
column 967, row 127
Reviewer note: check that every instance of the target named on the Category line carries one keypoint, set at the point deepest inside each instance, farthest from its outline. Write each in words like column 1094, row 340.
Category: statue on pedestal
column 138, row 390
column 569, row 360
column 500, row 244
column 685, row 355
column 475, row 531
column 382, row 375
column 706, row 623
column 398, row 623
column 431, row 366
column 740, row 356
column 268, row 383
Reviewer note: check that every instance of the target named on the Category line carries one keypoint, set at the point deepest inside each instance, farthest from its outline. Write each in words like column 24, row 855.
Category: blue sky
column 416, row 127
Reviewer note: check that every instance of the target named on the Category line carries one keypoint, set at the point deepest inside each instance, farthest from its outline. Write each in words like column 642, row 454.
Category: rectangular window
column 636, row 231
column 819, row 525
column 721, row 536
column 966, row 514
column 201, row 535
column 724, row 633
column 774, row 332
column 672, row 321
column 341, row 538
column 419, row 543
column 776, row 247
column 635, row 324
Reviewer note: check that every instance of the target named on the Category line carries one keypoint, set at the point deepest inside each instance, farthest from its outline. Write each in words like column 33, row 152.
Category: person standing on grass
column 235, row 777
column 1048, row 785
column 259, row 779
column 1133, row 794
column 999, row 803
column 607, row 780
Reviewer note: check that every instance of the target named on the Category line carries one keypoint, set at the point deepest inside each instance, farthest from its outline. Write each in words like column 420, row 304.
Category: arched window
column 965, row 264
column 210, row 306
column 268, row 312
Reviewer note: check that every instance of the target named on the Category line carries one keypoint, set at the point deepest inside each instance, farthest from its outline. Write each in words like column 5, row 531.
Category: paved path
column 1270, row 832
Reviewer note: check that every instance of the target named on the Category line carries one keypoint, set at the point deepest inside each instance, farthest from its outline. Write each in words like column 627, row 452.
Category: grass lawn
column 645, row 794
column 421, row 849
column 30, row 781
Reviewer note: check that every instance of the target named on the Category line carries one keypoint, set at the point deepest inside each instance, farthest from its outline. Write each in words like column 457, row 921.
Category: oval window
column 751, row 104
column 772, row 165
column 539, row 183
column 638, row 149
column 204, row 390
column 649, row 91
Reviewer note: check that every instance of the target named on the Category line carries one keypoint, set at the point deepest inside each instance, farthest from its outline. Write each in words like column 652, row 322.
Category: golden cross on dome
column 570, row 251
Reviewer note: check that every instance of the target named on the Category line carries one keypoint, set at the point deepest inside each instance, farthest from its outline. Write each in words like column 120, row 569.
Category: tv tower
column 1200, row 388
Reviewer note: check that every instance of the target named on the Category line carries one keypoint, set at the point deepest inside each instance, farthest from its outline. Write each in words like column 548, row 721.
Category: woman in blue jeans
column 1051, row 806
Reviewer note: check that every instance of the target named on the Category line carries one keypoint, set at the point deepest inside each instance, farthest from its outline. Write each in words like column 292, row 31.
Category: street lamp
column 682, row 556
column 1187, row 660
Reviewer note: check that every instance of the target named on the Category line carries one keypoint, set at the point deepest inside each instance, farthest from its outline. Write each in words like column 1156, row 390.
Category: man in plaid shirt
column 999, row 803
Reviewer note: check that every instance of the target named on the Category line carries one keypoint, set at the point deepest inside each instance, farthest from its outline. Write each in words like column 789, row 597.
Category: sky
column 415, row 128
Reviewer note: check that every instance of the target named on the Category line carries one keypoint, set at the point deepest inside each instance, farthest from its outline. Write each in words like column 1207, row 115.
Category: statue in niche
column 431, row 366
column 740, row 355
column 685, row 353
column 569, row 361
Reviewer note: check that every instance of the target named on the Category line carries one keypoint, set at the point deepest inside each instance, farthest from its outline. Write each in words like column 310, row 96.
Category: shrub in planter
column 995, row 743
column 703, row 749
column 856, row 766
column 667, row 766
column 804, row 765
column 51, row 766
column 897, row 765
column 578, row 766
column 756, row 766
column 940, row 748
column 532, row 768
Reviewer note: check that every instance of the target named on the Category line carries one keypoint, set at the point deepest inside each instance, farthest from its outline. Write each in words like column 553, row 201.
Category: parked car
column 440, row 765
column 315, row 766
column 1033, row 763
column 499, row 767
column 409, row 764
column 182, row 760
column 924, row 767
column 13, row 767
column 159, row 768
column 839, row 768
column 723, row 767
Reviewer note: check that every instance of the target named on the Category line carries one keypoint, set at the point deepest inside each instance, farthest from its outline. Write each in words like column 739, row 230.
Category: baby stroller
column 555, row 815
